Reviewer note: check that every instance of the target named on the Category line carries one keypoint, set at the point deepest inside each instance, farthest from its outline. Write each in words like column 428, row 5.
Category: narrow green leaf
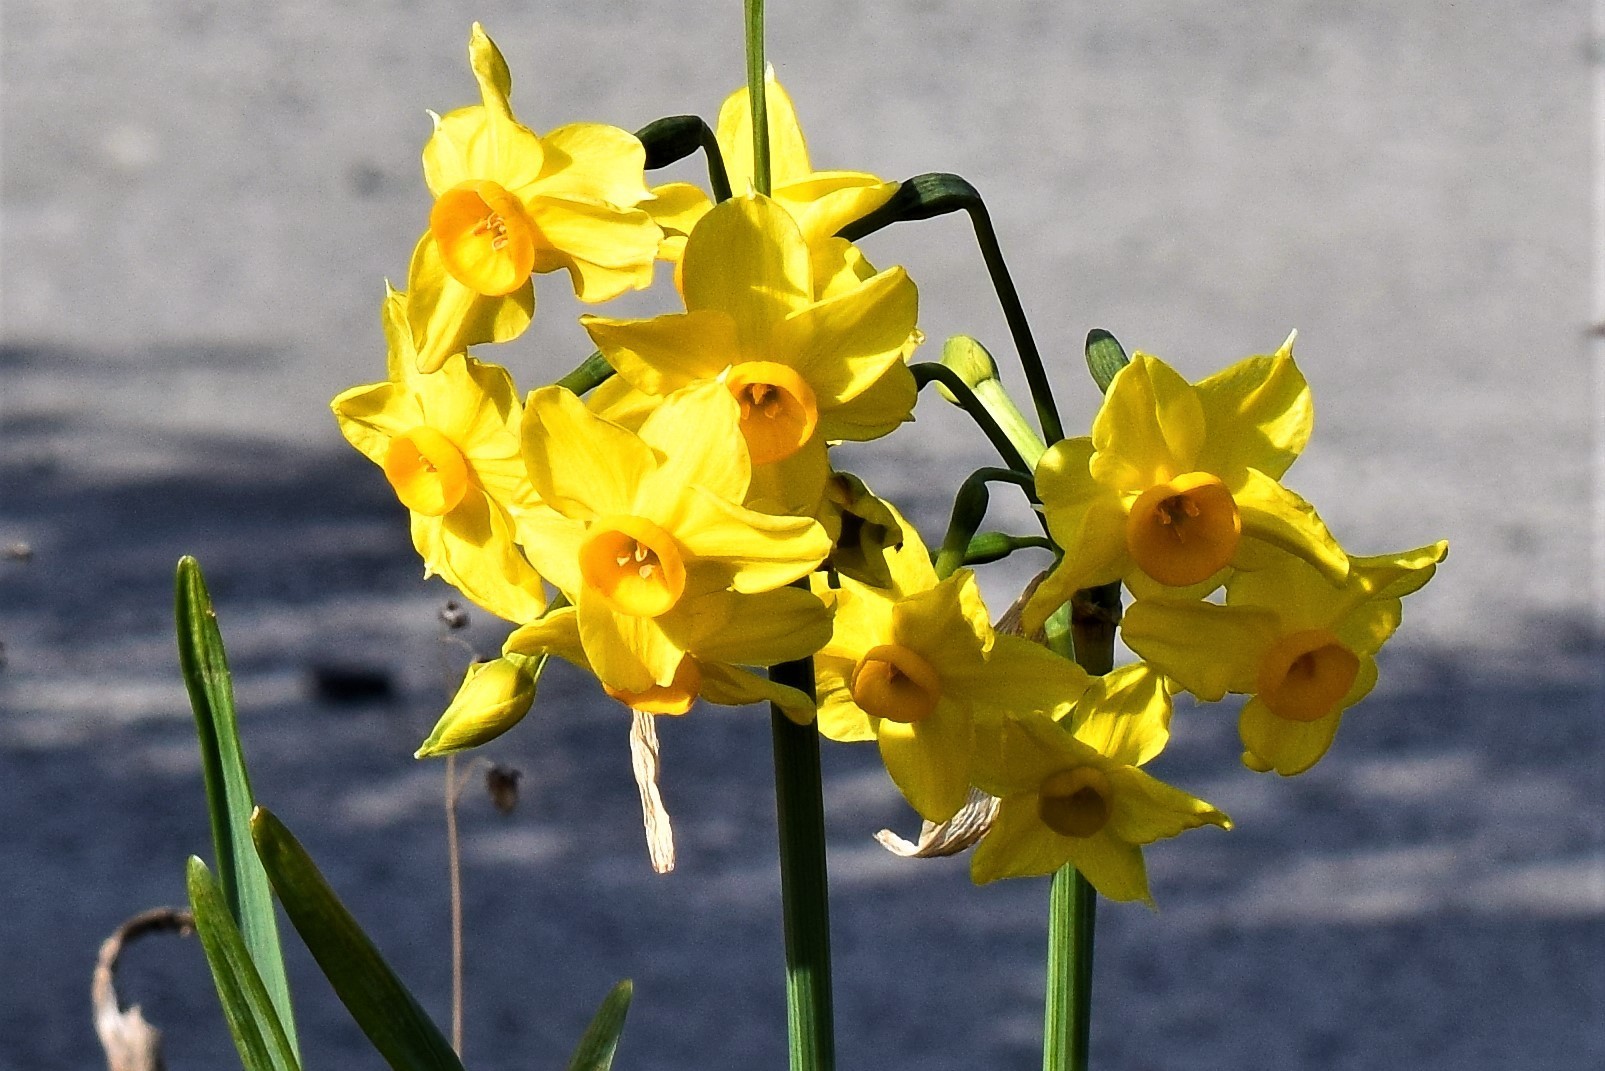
column 387, row 1012
column 601, row 1038
column 1105, row 357
column 249, row 1011
column 228, row 788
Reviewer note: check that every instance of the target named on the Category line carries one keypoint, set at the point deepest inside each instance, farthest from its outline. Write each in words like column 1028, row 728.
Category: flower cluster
column 677, row 526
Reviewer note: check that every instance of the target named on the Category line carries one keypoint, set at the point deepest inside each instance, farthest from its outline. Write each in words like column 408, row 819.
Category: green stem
column 1067, row 1009
column 804, row 884
column 1067, row 1020
column 756, row 87
column 969, row 509
column 930, row 372
column 926, row 196
column 675, row 137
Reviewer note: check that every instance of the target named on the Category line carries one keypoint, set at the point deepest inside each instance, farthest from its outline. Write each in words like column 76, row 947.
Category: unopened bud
column 493, row 697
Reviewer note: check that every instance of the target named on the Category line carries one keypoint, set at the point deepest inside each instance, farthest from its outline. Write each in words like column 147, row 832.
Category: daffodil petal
column 581, row 465
column 1125, row 714
column 826, row 201
column 447, row 317
column 1018, row 676
column 757, row 552
column 1259, row 415
column 844, row 343
column 472, row 547
column 628, row 654
column 1112, row 866
column 751, row 630
column 747, row 258
column 675, row 207
column 373, row 414
column 876, row 411
column 1288, row 747
column 948, row 625
column 788, row 151
column 557, row 632
column 1144, row 809
column 733, row 687
column 1273, row 514
column 698, row 432
column 606, row 249
column 1018, row 845
column 1149, row 429
column 839, row 717
column 929, row 760
column 595, row 161
column 1207, row 649
column 663, row 354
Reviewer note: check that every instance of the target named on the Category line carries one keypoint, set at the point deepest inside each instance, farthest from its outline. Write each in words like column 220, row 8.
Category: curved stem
column 929, row 371
column 969, row 507
column 925, row 196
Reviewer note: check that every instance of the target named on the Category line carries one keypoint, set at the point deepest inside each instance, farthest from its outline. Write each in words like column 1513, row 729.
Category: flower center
column 634, row 565
column 487, row 241
column 893, row 682
column 778, row 410
column 1184, row 531
column 1074, row 802
column 675, row 697
column 427, row 471
column 1304, row 676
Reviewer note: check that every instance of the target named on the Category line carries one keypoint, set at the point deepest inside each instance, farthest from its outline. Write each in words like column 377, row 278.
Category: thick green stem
column 1067, row 1009
column 1067, row 1019
column 804, row 883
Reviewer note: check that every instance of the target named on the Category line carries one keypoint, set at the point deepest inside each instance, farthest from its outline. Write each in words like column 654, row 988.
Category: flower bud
column 493, row 697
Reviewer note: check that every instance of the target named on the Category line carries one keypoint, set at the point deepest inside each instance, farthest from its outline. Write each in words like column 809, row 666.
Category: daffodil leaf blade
column 601, row 1039
column 395, row 1023
column 252, row 1020
column 243, row 883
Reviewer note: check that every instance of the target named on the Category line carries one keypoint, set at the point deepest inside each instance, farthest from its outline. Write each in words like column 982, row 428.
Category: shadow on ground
column 1430, row 897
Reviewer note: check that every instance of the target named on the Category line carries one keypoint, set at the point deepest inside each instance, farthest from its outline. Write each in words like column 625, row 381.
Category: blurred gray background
column 200, row 203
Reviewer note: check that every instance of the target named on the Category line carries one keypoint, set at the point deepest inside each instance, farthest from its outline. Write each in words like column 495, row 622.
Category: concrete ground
column 198, row 205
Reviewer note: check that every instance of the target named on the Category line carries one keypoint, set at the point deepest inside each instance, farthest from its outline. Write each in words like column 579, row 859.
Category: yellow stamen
column 427, row 471
column 1304, row 676
column 633, row 565
column 486, row 239
column 1185, row 530
column 1074, row 802
column 779, row 411
column 894, row 682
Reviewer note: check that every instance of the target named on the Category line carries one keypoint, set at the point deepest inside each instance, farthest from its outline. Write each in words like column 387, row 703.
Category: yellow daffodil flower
column 1064, row 800
column 919, row 669
column 647, row 524
column 1302, row 647
column 803, row 371
column 719, row 633
column 1178, row 482
column 509, row 203
column 448, row 442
